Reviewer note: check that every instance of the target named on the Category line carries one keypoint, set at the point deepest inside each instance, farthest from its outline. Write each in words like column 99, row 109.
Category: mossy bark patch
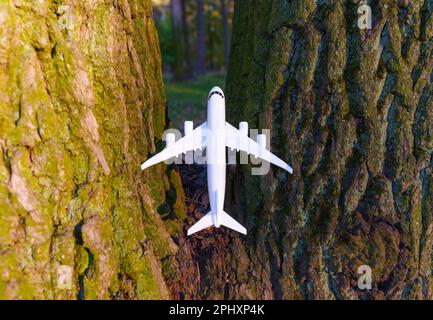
column 81, row 106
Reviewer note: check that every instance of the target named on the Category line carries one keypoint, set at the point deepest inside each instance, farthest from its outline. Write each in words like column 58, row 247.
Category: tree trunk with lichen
column 352, row 111
column 81, row 106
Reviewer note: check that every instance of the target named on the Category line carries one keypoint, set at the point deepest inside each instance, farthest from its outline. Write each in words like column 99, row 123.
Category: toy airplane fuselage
column 216, row 134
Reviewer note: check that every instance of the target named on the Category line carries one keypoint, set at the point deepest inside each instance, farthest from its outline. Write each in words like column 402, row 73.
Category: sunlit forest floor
column 187, row 99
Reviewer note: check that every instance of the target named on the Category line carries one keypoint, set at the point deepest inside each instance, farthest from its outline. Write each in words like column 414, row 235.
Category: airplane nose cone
column 216, row 91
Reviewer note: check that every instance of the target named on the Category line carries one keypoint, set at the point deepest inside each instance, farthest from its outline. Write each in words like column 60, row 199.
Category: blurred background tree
column 194, row 37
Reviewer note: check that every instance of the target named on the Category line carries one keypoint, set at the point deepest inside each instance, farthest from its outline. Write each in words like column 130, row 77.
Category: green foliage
column 176, row 51
column 166, row 39
column 214, row 36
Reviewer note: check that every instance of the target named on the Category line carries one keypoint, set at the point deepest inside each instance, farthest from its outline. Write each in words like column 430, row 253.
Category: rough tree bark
column 81, row 105
column 352, row 111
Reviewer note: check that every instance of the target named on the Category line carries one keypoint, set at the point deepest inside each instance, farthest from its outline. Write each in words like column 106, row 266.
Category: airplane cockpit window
column 216, row 92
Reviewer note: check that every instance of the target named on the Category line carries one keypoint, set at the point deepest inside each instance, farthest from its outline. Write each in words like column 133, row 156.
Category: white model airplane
column 216, row 134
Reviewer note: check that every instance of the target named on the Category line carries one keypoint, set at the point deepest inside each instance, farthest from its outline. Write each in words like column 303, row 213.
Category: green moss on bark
column 82, row 105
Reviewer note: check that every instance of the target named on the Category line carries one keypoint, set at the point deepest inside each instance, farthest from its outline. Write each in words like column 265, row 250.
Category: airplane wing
column 236, row 140
column 192, row 141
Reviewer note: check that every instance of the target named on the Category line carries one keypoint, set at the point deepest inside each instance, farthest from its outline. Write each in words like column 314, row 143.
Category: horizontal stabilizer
column 203, row 223
column 231, row 223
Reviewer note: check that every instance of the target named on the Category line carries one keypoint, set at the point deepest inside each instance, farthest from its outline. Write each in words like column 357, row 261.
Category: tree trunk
column 81, row 106
column 186, row 40
column 201, row 38
column 182, row 64
column 352, row 111
column 226, row 33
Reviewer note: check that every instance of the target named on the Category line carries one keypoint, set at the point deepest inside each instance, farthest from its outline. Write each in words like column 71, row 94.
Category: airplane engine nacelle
column 243, row 137
column 243, row 128
column 170, row 139
column 188, row 127
column 189, row 140
column 261, row 140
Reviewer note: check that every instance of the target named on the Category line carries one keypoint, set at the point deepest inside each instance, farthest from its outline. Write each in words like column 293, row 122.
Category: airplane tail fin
column 231, row 223
column 203, row 223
